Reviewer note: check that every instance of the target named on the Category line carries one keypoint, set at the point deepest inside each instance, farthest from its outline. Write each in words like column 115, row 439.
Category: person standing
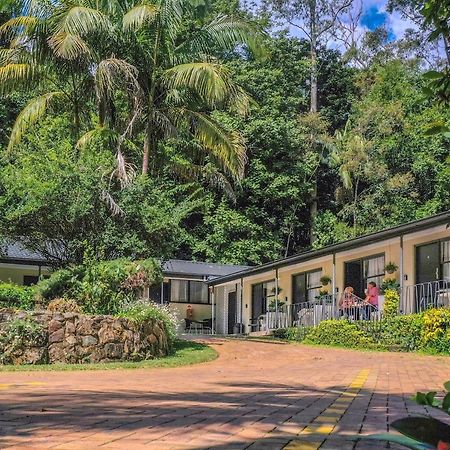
column 371, row 299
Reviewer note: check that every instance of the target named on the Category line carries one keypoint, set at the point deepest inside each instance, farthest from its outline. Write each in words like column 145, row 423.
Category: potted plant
column 390, row 267
column 325, row 280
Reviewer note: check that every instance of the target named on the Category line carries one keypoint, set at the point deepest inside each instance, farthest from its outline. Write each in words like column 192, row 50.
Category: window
column 263, row 294
column 373, row 270
column 445, row 260
column 306, row 286
column 30, row 280
column 359, row 272
column 188, row 291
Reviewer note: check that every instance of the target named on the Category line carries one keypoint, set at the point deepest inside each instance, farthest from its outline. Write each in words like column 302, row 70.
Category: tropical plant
column 389, row 284
column 162, row 55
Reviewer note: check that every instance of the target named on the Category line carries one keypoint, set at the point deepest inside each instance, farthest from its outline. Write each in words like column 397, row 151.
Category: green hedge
column 338, row 332
column 428, row 331
column 14, row 296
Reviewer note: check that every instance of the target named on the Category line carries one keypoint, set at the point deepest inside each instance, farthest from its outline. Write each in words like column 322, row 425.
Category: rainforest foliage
column 202, row 130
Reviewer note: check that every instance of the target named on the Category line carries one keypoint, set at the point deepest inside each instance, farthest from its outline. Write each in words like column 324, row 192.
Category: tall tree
column 160, row 54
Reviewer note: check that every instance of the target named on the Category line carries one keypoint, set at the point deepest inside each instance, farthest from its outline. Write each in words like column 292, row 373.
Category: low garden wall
column 43, row 337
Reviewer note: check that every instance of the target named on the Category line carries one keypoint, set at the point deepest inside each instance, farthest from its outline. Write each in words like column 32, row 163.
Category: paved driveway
column 255, row 395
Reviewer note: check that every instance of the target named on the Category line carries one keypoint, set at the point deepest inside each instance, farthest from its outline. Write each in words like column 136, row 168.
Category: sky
column 375, row 15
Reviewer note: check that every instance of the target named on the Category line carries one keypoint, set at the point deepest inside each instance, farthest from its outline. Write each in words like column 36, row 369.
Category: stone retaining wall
column 49, row 337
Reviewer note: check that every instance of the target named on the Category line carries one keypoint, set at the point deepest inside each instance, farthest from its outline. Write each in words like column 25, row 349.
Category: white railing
column 420, row 297
column 415, row 298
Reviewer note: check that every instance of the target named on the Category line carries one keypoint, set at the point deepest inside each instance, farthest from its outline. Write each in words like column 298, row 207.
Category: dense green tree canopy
column 222, row 114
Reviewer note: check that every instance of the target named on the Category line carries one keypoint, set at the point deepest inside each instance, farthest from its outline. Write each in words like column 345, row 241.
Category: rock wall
column 42, row 337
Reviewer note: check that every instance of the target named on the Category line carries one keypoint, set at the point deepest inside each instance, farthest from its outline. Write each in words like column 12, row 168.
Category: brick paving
column 254, row 396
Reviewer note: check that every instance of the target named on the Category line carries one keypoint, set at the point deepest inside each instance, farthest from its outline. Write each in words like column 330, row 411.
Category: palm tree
column 161, row 55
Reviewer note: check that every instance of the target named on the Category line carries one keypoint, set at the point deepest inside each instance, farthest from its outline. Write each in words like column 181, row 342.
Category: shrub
column 391, row 303
column 291, row 334
column 14, row 296
column 436, row 330
column 143, row 311
column 101, row 287
column 61, row 283
column 338, row 332
column 63, row 305
column 402, row 332
column 20, row 333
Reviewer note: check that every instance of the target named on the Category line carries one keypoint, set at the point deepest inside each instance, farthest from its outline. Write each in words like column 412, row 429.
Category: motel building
column 300, row 290
column 305, row 289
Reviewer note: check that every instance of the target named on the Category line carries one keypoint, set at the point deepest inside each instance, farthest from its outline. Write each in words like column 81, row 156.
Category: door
column 428, row 267
column 258, row 301
column 232, row 310
column 353, row 277
column 427, row 263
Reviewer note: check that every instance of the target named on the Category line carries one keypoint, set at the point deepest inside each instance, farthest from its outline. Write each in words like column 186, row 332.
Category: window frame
column 189, row 302
column 443, row 261
column 381, row 275
column 307, row 289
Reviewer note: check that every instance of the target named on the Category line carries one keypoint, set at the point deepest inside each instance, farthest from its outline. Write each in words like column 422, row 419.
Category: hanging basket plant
column 390, row 267
column 325, row 280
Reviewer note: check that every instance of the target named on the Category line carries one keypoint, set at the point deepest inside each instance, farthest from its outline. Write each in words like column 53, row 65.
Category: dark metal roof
column 378, row 236
column 199, row 269
column 15, row 252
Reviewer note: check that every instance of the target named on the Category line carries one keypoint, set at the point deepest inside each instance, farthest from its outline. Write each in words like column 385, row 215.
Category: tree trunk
column 313, row 108
column 147, row 147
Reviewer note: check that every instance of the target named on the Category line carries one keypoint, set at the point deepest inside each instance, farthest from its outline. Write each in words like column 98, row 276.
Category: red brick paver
column 255, row 395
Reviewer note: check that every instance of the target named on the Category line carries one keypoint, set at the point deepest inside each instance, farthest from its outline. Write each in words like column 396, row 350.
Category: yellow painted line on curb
column 324, row 424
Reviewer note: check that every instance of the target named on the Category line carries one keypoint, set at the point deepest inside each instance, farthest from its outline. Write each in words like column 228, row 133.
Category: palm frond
column 15, row 74
column 113, row 206
column 125, row 172
column 100, row 133
column 230, row 32
column 224, row 32
column 82, row 20
column 226, row 147
column 32, row 112
column 21, row 25
column 113, row 72
column 68, row 46
column 211, row 81
column 139, row 16
column 14, row 55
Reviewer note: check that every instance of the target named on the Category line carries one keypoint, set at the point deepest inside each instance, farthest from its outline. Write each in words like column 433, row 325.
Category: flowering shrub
column 436, row 329
column 391, row 303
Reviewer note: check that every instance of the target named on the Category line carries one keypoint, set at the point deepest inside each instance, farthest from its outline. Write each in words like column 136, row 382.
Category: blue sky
column 375, row 15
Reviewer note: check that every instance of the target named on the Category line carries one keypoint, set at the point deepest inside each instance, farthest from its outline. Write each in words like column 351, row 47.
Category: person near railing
column 346, row 302
column 371, row 300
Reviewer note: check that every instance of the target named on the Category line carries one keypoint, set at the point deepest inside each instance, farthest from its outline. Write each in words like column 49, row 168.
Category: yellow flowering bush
column 436, row 329
column 391, row 302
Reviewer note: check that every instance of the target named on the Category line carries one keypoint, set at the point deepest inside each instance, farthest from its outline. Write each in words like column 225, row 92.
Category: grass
column 185, row 353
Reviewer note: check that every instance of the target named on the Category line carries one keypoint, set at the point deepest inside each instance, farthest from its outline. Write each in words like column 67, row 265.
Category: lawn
column 184, row 353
